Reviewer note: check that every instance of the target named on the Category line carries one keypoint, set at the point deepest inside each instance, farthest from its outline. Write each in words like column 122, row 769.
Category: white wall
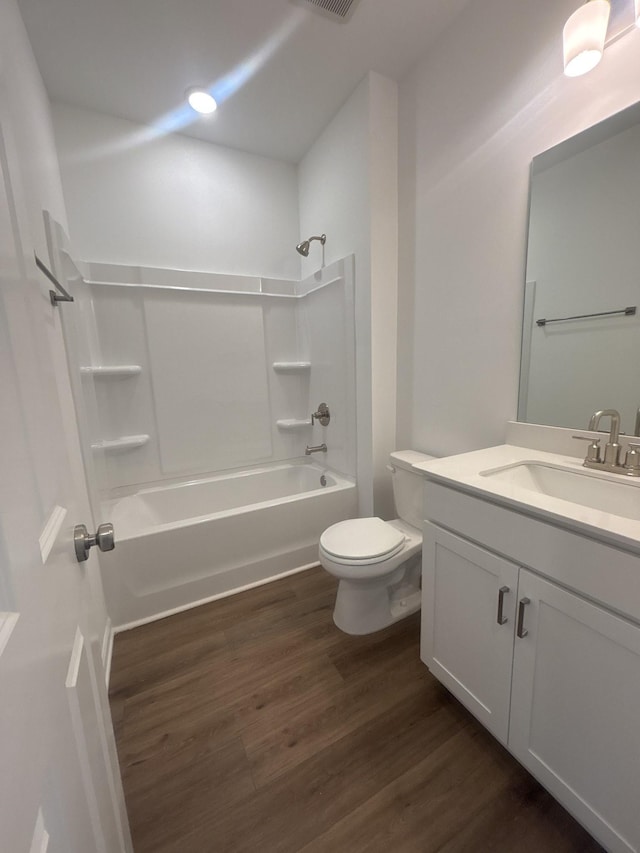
column 383, row 177
column 473, row 113
column 28, row 101
column 173, row 201
column 347, row 189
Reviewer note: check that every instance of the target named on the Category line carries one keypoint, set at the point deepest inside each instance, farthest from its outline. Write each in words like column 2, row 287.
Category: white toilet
column 378, row 563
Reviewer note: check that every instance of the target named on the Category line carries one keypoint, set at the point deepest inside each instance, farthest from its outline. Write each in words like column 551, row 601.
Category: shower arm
column 303, row 248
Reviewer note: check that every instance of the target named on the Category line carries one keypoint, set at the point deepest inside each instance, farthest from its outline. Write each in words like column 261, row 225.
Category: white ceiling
column 136, row 58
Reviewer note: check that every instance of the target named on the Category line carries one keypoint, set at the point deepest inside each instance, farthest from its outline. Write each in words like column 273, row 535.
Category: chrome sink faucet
column 611, row 461
column 612, row 448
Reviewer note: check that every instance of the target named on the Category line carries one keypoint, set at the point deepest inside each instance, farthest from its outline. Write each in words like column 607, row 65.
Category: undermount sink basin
column 587, row 489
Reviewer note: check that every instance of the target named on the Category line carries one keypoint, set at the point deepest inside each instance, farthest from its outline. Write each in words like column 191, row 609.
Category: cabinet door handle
column 521, row 630
column 502, row 620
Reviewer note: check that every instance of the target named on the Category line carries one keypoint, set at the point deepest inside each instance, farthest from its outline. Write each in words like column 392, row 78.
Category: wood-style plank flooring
column 253, row 724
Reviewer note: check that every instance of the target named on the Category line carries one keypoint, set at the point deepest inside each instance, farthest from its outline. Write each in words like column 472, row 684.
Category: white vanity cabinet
column 468, row 609
column 575, row 708
column 561, row 686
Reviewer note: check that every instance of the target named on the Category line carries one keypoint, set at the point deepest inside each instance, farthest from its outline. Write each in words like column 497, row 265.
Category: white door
column 575, row 708
column 468, row 610
column 59, row 785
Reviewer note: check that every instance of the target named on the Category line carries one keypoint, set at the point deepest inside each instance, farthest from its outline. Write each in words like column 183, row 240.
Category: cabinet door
column 462, row 641
column 575, row 708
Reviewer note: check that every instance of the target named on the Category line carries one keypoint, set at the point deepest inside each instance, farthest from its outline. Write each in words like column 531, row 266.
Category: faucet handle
column 323, row 416
column 632, row 457
column 593, row 451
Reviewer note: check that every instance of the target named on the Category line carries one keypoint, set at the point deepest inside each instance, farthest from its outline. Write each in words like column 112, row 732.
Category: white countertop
column 464, row 472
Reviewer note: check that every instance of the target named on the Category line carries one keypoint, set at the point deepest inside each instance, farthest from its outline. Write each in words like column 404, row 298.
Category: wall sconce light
column 583, row 37
column 637, row 13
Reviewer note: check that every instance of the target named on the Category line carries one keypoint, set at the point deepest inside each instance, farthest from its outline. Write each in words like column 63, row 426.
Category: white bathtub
column 180, row 545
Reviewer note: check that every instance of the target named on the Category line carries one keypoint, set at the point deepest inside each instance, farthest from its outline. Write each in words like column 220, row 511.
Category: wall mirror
column 581, row 326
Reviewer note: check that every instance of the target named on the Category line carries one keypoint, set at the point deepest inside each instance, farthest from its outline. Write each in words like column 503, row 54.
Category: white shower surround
column 227, row 370
column 184, row 544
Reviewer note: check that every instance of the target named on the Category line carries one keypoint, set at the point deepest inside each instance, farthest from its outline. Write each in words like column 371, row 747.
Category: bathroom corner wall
column 180, row 203
column 140, row 198
column 348, row 189
column 383, row 176
column 488, row 97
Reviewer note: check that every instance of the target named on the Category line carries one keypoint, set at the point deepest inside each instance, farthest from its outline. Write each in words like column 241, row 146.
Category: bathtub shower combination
column 183, row 544
column 195, row 394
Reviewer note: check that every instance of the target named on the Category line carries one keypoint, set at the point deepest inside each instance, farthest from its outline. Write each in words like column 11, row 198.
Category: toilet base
column 366, row 606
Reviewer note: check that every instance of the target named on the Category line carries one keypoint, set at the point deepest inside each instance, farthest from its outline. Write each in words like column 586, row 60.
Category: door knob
column 84, row 542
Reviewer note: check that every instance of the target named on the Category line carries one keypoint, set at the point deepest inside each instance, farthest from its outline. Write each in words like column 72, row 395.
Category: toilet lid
column 361, row 539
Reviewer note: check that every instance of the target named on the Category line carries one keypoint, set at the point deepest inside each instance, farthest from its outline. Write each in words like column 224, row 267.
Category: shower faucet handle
column 323, row 415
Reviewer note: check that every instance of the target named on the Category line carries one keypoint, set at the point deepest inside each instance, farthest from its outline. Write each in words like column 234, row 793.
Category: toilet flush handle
column 391, row 468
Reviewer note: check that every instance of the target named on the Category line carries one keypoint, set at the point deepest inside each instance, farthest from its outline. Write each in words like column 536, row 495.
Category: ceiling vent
column 337, row 10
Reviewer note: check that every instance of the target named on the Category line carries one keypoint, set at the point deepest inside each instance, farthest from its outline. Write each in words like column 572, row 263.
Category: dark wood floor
column 253, row 724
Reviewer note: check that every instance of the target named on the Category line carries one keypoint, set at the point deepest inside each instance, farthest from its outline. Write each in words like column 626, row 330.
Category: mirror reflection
column 581, row 329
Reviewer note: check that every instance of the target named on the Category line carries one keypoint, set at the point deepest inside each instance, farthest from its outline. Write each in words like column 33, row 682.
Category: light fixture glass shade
column 202, row 102
column 637, row 13
column 583, row 37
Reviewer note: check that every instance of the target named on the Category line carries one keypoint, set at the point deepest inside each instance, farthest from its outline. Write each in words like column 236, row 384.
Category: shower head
column 303, row 248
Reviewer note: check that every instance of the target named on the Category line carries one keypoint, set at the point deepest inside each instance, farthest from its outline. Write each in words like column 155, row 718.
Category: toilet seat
column 362, row 541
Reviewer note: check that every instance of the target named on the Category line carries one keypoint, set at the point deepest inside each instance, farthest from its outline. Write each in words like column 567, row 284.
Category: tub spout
column 319, row 448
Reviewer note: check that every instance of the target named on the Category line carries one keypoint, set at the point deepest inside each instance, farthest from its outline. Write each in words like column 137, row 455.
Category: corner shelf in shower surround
column 114, row 370
column 292, row 423
column 291, row 366
column 126, row 442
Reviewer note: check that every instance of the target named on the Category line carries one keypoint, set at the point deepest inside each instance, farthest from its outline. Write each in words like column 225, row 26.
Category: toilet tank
column 407, row 485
